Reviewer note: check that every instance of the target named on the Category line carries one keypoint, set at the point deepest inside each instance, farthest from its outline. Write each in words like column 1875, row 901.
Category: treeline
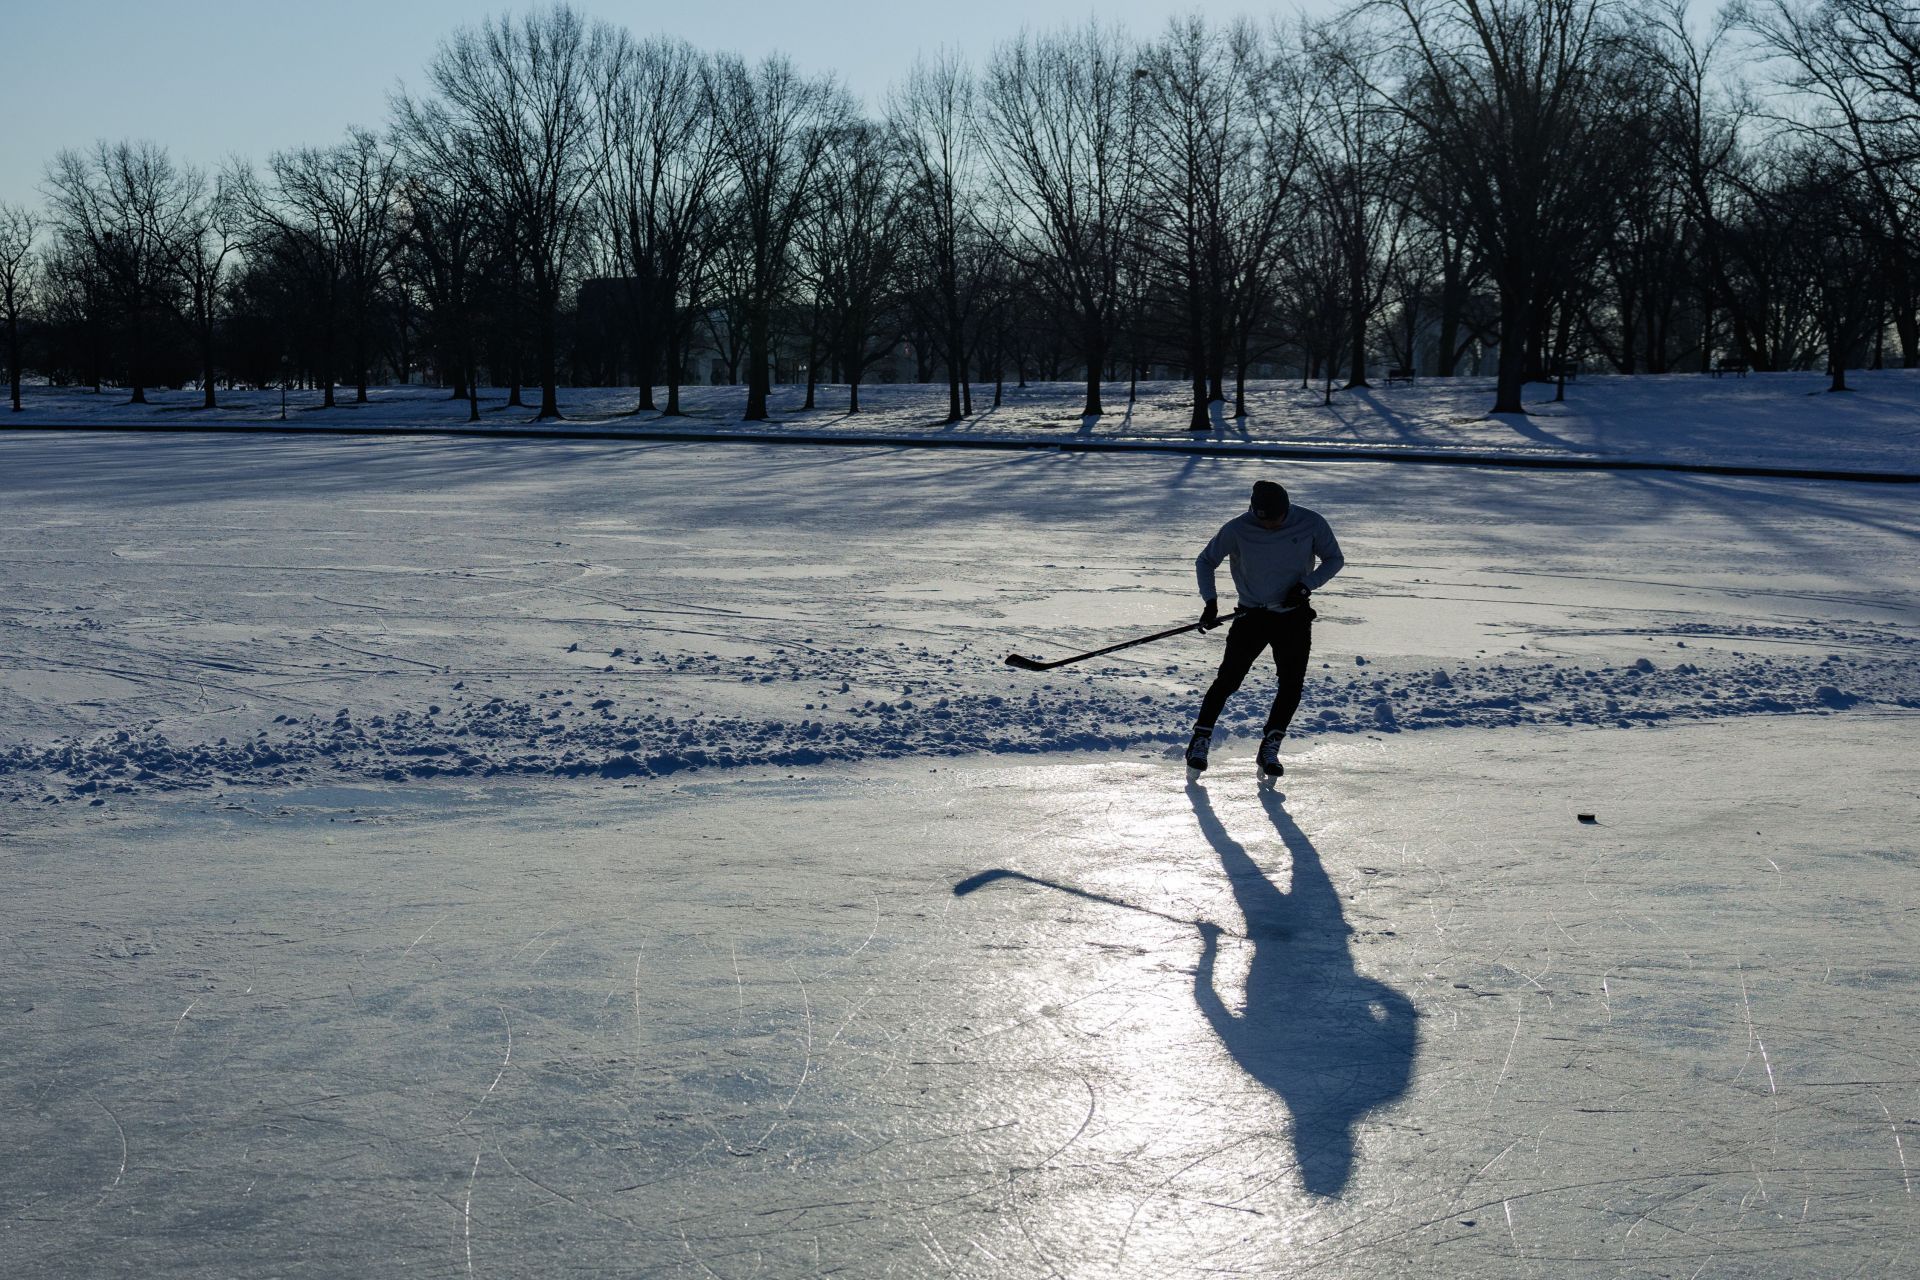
column 1416, row 184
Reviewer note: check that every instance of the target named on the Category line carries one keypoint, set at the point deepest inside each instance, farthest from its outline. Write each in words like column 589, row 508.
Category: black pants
column 1290, row 636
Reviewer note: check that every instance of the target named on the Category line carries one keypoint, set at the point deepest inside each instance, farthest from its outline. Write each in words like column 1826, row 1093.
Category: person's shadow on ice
column 1333, row 1044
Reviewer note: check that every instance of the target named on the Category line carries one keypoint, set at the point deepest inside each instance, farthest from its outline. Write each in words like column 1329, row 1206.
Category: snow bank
column 1765, row 420
column 571, row 732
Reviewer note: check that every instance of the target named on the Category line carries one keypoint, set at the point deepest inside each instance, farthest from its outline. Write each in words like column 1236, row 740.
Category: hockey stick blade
column 1025, row 663
column 980, row 879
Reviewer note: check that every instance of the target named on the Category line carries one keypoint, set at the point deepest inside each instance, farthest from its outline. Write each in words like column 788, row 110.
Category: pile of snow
column 583, row 729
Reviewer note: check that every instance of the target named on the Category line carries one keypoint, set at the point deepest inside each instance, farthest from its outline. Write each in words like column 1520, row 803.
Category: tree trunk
column 1218, row 343
column 646, row 339
column 1659, row 330
column 206, row 367
column 1560, row 352
column 1624, row 358
column 1511, row 378
column 1539, row 317
column 956, row 408
column 405, row 371
column 1447, row 352
column 136, row 356
column 757, row 372
column 1240, row 380
column 813, row 367
column 549, row 350
column 1453, row 301
column 1357, row 338
column 1706, row 324
column 674, row 358
column 1096, row 350
column 13, row 359
column 326, row 351
column 1198, row 418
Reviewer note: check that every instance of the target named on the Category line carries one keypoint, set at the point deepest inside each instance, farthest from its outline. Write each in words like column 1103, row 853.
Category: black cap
column 1269, row 500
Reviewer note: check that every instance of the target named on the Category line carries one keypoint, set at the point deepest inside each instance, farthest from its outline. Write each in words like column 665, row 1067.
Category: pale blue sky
column 208, row 78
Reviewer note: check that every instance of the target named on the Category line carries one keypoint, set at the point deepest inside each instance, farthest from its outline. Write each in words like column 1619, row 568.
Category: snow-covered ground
column 513, row 856
column 1764, row 420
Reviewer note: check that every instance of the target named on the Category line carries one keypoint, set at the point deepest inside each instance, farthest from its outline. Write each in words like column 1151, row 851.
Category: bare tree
column 729, row 279
column 210, row 237
column 1822, row 204
column 1315, row 301
column 1853, row 66
column 122, row 206
column 333, row 212
column 1356, row 160
column 775, row 126
column 1699, row 143
column 1496, row 89
column 1261, row 197
column 1772, row 280
column 1062, row 113
column 664, row 160
column 850, row 250
column 520, row 92
column 17, row 272
column 75, row 308
column 1194, row 139
column 445, row 227
column 934, row 123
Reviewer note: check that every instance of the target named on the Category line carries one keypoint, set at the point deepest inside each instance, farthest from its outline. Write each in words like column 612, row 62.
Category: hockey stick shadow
column 981, row 879
column 1331, row 1043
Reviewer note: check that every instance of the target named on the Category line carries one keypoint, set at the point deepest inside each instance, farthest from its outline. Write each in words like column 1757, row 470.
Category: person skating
column 1272, row 549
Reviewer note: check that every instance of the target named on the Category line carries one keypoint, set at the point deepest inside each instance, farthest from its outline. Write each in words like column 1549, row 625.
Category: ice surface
column 744, row 1025
column 482, row 857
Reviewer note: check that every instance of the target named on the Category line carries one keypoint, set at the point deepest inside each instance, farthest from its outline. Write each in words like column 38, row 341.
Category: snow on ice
column 626, row 610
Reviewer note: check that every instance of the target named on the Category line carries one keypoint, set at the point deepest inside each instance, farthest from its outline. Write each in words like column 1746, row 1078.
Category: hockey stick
column 1034, row 664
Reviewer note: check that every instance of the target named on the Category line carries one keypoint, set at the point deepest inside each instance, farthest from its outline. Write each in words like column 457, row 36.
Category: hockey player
column 1272, row 549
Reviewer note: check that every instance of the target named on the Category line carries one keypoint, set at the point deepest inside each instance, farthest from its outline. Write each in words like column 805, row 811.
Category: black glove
column 1210, row 616
column 1296, row 596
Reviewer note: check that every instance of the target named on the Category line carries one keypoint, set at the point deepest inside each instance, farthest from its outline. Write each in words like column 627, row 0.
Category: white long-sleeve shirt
column 1266, row 563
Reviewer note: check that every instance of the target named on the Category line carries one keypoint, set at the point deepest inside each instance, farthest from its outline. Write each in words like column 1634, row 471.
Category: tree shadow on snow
column 1333, row 1044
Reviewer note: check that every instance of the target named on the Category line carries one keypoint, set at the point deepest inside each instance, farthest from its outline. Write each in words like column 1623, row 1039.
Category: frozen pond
column 486, row 858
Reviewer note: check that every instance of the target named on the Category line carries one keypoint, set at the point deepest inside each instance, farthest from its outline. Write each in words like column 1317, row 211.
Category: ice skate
column 1269, row 757
column 1197, row 749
